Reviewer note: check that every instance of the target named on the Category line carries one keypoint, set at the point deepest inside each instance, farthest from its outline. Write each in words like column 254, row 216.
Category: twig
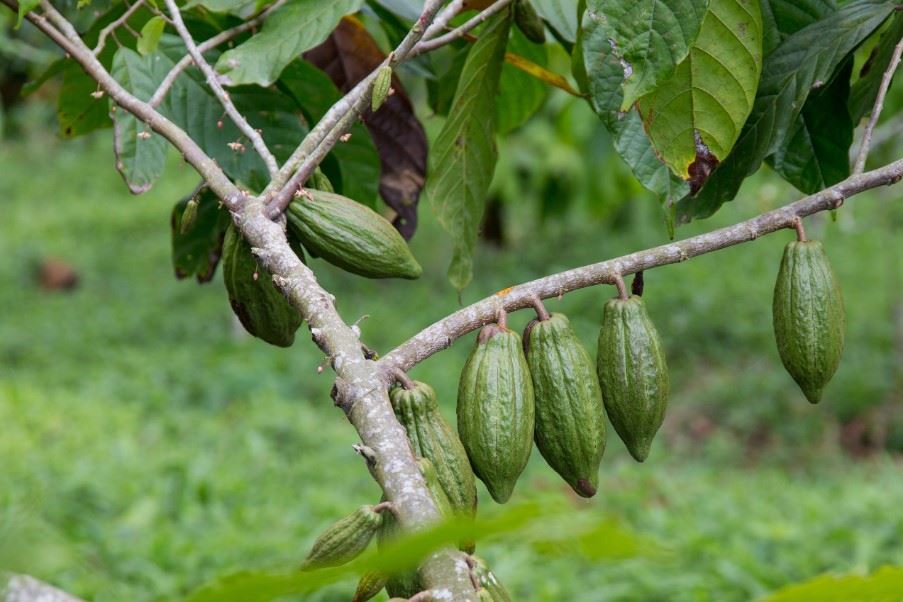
column 221, row 94
column 442, row 333
column 337, row 121
column 207, row 45
column 427, row 45
column 440, row 23
column 879, row 106
column 106, row 31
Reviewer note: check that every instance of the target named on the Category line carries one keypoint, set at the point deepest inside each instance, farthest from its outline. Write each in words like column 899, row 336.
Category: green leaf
column 298, row 26
column 816, row 151
column 884, row 585
column 140, row 153
column 463, row 158
column 150, row 35
column 520, row 94
column 805, row 58
column 694, row 117
column 786, row 17
column 865, row 89
column 79, row 109
column 561, row 15
column 25, row 7
column 651, row 36
column 221, row 6
column 197, row 251
column 357, row 158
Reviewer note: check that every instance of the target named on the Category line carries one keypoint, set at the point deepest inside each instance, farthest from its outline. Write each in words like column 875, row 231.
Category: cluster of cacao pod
column 343, row 232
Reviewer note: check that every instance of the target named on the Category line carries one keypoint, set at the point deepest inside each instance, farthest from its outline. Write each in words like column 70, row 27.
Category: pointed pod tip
column 585, row 488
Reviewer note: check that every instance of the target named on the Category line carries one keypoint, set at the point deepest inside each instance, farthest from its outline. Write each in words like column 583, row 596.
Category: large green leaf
column 865, row 88
column 561, row 15
column 520, row 94
column 358, row 174
column 651, row 37
column 785, row 17
column 140, row 153
column 695, row 116
column 78, row 109
column 816, row 151
column 805, row 58
column 884, row 585
column 464, row 154
column 604, row 76
column 298, row 26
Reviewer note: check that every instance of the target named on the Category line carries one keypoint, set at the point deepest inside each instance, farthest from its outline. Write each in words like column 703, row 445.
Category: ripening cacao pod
column 344, row 540
column 444, row 505
column 808, row 317
column 261, row 308
column 496, row 410
column 432, row 437
column 381, row 87
column 570, row 418
column 529, row 22
column 370, row 584
column 488, row 581
column 406, row 583
column 633, row 373
column 351, row 236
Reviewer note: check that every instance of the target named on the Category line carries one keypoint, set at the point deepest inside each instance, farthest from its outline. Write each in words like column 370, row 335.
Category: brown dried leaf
column 348, row 55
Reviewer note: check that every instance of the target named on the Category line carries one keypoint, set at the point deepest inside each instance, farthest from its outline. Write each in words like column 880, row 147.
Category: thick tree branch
column 429, row 44
column 213, row 81
column 442, row 333
column 22, row 588
column 220, row 38
column 337, row 121
column 879, row 106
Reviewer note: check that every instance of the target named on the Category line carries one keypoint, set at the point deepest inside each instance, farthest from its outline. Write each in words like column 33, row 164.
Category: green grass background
column 147, row 445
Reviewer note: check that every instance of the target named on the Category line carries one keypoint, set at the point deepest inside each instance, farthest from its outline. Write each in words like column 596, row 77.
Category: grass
column 148, row 445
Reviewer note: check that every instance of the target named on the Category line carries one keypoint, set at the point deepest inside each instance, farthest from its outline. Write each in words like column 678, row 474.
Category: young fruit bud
column 808, row 317
column 432, row 437
column 319, row 181
column 371, row 583
column 570, row 418
column 529, row 22
column 381, row 86
column 344, row 540
column 496, row 410
column 488, row 581
column 633, row 373
column 189, row 216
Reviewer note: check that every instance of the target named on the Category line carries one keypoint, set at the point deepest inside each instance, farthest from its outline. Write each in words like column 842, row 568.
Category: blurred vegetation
column 147, row 444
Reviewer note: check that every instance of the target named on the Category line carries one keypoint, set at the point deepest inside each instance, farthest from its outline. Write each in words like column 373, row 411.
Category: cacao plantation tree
column 296, row 118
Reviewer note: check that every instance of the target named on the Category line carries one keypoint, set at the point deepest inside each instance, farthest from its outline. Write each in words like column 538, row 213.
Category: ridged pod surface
column 370, row 584
column 344, row 540
column 633, row 373
column 262, row 310
column 432, row 437
column 570, row 417
column 351, row 236
column 496, row 410
column 808, row 317
column 489, row 583
column 406, row 583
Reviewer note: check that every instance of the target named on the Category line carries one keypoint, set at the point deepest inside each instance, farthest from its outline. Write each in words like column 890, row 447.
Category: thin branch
column 237, row 118
column 337, row 121
column 220, row 38
column 106, row 31
column 440, row 23
column 427, row 45
column 442, row 333
column 879, row 106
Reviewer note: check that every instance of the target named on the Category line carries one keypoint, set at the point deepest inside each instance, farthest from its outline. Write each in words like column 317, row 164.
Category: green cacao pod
column 570, row 417
column 432, row 437
column 529, row 22
column 370, row 584
column 808, row 317
column 428, row 470
column 350, row 236
column 488, row 581
column 381, row 86
column 344, row 540
column 319, row 181
column 262, row 310
column 496, row 410
column 633, row 373
column 406, row 583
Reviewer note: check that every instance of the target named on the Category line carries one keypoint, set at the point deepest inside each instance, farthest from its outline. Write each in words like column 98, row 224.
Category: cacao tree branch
column 337, row 121
column 106, row 31
column 22, row 588
column 210, row 44
column 879, row 106
column 440, row 23
column 441, row 334
column 459, row 32
column 213, row 81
